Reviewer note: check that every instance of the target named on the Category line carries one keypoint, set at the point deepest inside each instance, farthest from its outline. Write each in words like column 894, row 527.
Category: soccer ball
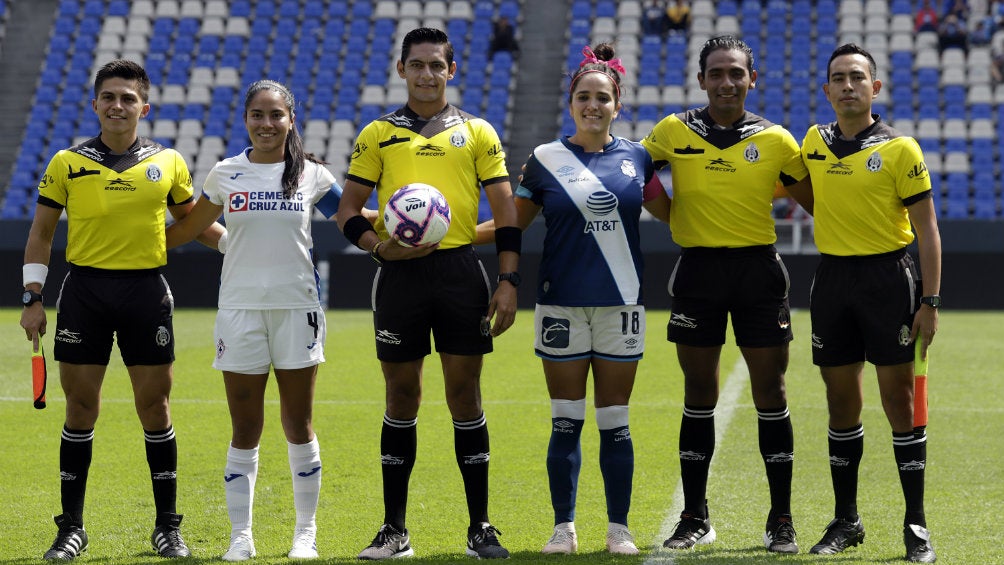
column 417, row 213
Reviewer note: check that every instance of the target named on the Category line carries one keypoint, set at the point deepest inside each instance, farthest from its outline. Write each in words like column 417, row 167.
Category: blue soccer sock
column 564, row 456
column 616, row 460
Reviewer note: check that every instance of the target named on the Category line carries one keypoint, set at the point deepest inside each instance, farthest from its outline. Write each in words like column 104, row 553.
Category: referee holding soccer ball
column 441, row 287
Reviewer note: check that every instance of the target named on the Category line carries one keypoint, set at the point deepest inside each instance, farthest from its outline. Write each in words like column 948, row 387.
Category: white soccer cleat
column 620, row 541
column 563, row 540
column 304, row 544
column 241, row 549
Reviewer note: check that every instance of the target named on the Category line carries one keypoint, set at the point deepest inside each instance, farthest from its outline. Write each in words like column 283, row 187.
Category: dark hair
column 604, row 52
column 293, row 155
column 124, row 69
column 426, row 35
column 852, row 49
column 728, row 43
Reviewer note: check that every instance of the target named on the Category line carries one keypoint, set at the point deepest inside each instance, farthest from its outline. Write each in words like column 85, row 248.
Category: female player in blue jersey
column 591, row 187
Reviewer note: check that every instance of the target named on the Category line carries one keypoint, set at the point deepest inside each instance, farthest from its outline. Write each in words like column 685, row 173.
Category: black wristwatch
column 934, row 301
column 513, row 278
column 30, row 297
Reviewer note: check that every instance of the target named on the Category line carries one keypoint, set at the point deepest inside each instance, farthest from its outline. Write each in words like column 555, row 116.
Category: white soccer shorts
column 572, row 332
column 248, row 341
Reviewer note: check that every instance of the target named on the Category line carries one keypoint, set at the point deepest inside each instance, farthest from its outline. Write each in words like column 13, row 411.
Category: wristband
column 355, row 227
column 221, row 245
column 508, row 238
column 34, row 273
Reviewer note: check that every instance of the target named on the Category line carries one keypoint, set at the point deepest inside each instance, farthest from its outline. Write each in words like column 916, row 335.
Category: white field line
column 735, row 384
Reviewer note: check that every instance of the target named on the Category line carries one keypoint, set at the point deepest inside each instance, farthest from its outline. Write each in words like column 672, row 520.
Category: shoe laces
column 784, row 532
column 561, row 536
column 386, row 536
column 170, row 536
column 304, row 537
column 487, row 535
column 620, row 536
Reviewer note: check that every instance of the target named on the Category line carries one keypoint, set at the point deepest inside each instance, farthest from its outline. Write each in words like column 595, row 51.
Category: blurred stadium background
column 338, row 57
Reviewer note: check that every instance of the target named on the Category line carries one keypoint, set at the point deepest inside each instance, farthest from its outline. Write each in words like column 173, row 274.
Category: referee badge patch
column 752, row 153
column 457, row 139
column 627, row 168
column 163, row 336
column 153, row 173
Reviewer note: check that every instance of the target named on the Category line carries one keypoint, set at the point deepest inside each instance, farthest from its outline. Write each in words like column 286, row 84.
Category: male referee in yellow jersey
column 726, row 163
column 868, row 301
column 440, row 288
column 114, row 189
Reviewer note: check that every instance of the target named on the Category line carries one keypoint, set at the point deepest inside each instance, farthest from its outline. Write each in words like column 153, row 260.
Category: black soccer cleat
column 690, row 531
column 779, row 536
column 71, row 540
column 483, row 542
column 839, row 535
column 166, row 536
column 918, row 544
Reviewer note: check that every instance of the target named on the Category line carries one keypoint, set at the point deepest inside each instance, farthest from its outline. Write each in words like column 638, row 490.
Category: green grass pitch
column 965, row 483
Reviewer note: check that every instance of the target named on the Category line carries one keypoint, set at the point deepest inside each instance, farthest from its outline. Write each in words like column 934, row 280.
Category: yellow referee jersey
column 724, row 178
column 862, row 188
column 115, row 204
column 454, row 151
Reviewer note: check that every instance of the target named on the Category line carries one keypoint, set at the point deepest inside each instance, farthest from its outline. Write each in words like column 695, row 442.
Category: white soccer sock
column 239, row 477
column 305, row 466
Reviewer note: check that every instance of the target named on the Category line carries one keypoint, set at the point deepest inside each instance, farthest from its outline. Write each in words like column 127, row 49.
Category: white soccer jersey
column 268, row 263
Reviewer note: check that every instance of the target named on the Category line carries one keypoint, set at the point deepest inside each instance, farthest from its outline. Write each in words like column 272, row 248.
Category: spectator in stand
column 959, row 9
column 678, row 16
column 654, row 20
column 503, row 38
column 952, row 34
column 983, row 30
column 926, row 18
column 997, row 64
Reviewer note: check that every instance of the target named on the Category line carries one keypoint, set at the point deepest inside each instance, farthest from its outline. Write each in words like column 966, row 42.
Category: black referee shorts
column 446, row 293
column 709, row 284
column 136, row 307
column 862, row 308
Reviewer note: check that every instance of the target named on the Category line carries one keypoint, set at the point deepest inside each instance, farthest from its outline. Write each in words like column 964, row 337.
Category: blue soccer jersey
column 591, row 204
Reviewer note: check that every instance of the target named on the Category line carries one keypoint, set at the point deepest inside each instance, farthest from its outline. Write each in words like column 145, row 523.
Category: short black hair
column 852, row 49
column 426, row 35
column 124, row 69
column 728, row 43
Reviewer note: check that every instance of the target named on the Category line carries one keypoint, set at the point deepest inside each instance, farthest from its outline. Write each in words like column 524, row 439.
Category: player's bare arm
column 194, row 222
column 925, row 223
column 502, row 308
column 210, row 234
column 38, row 250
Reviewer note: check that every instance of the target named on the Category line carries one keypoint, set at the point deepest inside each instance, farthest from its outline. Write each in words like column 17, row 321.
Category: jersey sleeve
column 530, row 186
column 52, row 185
column 658, row 144
column 793, row 168
column 211, row 187
column 489, row 157
column 181, row 189
column 328, row 194
column 366, row 163
column 913, row 177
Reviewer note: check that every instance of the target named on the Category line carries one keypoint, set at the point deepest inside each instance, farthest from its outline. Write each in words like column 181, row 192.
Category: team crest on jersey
column 874, row 162
column 153, row 173
column 627, row 168
column 458, row 139
column 752, row 153
column 239, row 202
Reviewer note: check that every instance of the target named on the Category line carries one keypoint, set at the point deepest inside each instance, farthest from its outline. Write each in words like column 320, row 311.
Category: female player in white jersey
column 269, row 310
column 591, row 187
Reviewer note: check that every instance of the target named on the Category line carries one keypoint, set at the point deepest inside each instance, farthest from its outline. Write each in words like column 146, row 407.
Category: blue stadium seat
column 338, row 9
column 581, row 10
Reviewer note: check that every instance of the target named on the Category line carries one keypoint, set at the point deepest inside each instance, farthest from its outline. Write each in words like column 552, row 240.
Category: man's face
column 426, row 72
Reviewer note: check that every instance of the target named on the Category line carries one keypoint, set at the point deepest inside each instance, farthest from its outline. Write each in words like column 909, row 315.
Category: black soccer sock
column 75, row 448
column 470, row 441
column 777, row 447
column 697, row 445
column 910, row 449
column 398, row 445
column 846, row 447
column 162, row 456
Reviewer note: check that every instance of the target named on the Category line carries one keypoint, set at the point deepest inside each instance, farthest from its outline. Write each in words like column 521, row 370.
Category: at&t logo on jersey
column 601, row 203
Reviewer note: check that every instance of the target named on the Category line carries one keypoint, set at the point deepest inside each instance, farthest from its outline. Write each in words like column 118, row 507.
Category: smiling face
column 426, row 72
column 119, row 107
column 850, row 87
column 594, row 105
column 268, row 121
column 727, row 79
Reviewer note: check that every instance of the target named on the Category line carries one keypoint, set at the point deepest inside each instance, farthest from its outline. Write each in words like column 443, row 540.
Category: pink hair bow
column 590, row 57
